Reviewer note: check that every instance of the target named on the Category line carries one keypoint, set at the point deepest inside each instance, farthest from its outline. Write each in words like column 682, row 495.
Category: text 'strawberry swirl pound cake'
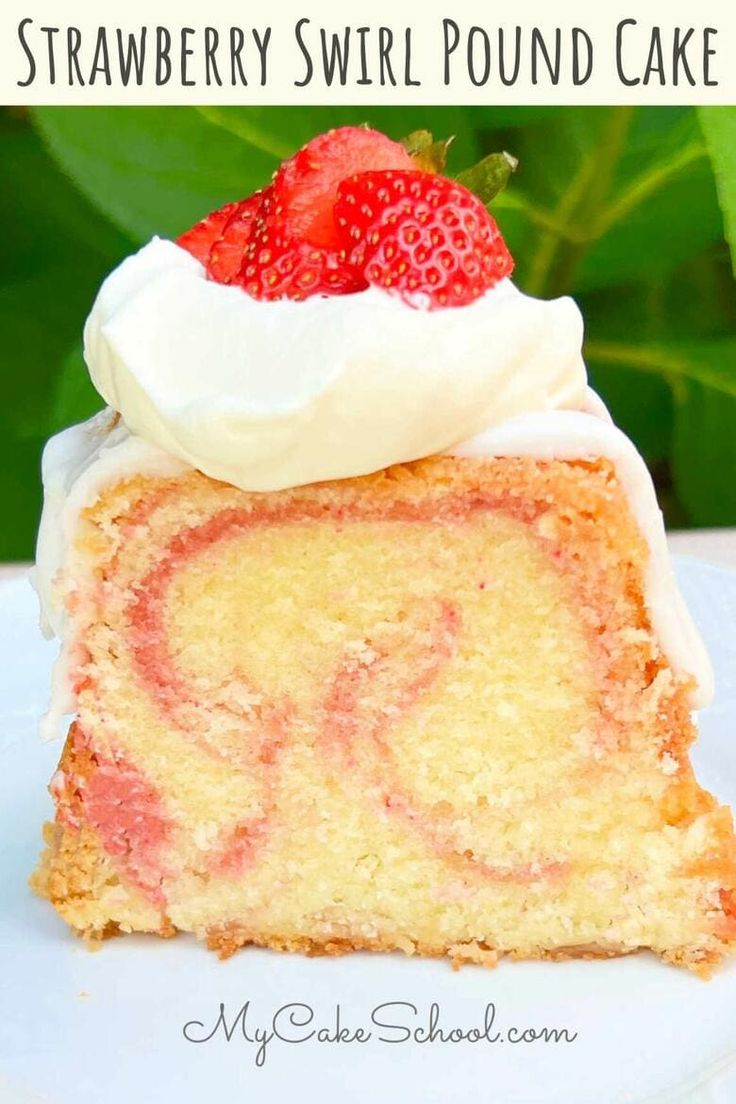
column 370, row 637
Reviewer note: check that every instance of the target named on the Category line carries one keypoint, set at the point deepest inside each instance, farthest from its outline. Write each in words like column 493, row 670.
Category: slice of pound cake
column 370, row 638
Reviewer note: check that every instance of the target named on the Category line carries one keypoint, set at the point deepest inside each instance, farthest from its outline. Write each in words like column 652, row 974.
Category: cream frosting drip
column 274, row 395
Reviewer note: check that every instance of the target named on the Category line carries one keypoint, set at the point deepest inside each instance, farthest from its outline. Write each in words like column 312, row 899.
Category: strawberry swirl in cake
column 370, row 634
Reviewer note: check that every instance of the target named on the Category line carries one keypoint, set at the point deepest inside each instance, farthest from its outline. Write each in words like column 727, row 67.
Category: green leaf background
column 631, row 210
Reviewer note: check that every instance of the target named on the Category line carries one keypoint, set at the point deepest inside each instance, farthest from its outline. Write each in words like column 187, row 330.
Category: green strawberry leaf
column 490, row 176
column 428, row 154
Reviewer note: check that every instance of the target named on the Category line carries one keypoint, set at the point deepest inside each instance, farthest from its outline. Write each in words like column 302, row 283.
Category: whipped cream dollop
column 274, row 395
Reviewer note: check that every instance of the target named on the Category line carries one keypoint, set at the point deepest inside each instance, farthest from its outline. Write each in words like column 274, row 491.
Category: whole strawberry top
column 351, row 210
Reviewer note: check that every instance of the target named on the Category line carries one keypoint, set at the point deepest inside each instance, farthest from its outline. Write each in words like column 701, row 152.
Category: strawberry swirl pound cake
column 370, row 638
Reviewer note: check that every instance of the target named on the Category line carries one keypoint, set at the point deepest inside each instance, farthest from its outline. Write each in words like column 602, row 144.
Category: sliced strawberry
column 421, row 236
column 226, row 254
column 349, row 210
column 199, row 240
column 278, row 265
column 305, row 187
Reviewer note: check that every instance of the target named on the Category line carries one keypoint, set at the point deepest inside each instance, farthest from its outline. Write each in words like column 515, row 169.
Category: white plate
column 82, row 1028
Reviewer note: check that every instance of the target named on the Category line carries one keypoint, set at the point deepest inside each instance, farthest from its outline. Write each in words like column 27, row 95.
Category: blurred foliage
column 632, row 210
